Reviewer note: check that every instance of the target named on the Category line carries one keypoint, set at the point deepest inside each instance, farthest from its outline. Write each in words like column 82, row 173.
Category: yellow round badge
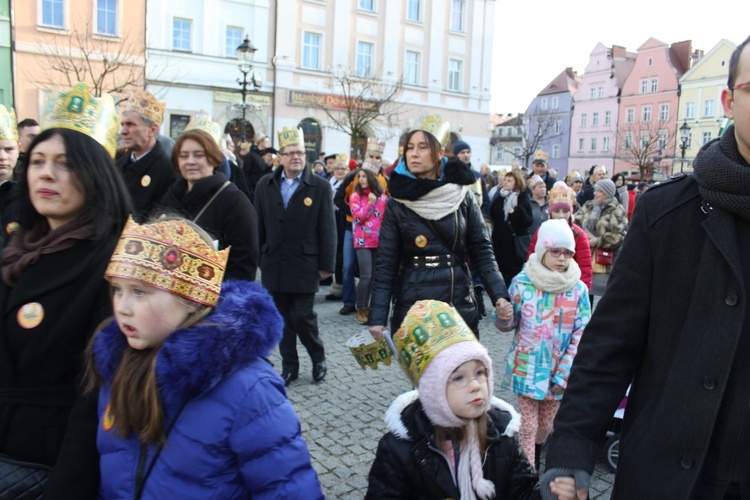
column 108, row 421
column 420, row 241
column 308, row 201
column 12, row 227
column 146, row 180
column 30, row 315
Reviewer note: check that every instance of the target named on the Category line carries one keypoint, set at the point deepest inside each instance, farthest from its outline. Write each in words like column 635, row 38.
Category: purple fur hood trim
column 244, row 326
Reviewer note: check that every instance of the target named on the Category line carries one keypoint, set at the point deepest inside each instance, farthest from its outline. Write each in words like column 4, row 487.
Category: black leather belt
column 430, row 261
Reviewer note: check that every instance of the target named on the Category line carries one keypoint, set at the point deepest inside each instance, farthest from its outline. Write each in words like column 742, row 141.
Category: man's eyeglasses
column 298, row 154
column 741, row 86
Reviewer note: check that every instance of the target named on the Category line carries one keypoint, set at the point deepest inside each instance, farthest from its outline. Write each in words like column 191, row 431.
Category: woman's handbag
column 19, row 479
column 604, row 256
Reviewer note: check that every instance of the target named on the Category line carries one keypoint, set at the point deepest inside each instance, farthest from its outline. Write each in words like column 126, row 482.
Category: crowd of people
column 135, row 328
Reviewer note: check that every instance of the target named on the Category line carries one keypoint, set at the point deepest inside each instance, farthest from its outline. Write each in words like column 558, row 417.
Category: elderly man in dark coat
column 675, row 322
column 297, row 236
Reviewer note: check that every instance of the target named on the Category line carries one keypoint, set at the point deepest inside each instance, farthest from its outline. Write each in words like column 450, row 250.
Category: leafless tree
column 646, row 145
column 536, row 128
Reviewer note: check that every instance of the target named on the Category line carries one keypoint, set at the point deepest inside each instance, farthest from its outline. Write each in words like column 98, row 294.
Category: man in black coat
column 675, row 323
column 146, row 167
column 540, row 167
column 297, row 236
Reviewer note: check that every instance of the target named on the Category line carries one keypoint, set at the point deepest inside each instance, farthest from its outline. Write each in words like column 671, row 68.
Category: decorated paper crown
column 76, row 109
column 375, row 146
column 170, row 255
column 8, row 124
column 368, row 351
column 429, row 327
column 144, row 102
column 540, row 157
column 202, row 121
column 560, row 197
column 342, row 158
column 291, row 136
column 435, row 125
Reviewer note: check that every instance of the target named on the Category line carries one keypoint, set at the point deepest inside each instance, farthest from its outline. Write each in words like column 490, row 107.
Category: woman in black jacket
column 432, row 225
column 72, row 206
column 206, row 197
column 511, row 219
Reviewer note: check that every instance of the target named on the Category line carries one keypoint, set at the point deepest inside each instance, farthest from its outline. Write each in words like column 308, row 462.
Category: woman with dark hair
column 72, row 205
column 431, row 226
column 511, row 218
column 621, row 194
column 206, row 197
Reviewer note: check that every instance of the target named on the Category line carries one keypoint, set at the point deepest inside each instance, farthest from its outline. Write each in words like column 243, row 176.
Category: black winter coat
column 413, row 468
column 519, row 221
column 61, row 429
column 230, row 218
column 299, row 241
column 461, row 233
column 148, row 179
column 670, row 321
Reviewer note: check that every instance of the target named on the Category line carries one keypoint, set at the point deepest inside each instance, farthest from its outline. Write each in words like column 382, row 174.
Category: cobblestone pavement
column 342, row 417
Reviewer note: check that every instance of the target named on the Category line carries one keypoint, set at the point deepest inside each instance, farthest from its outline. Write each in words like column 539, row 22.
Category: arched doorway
column 359, row 147
column 313, row 138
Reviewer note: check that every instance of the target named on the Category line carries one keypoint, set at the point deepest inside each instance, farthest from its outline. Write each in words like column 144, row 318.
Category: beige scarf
column 439, row 202
column 551, row 281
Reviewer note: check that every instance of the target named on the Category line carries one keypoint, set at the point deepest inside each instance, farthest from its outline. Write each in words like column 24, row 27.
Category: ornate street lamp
column 684, row 141
column 245, row 55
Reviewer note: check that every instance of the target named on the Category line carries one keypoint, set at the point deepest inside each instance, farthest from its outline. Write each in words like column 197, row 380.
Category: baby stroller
column 612, row 442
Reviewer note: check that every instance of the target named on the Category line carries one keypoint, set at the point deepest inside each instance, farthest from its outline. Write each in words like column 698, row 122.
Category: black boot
column 537, row 456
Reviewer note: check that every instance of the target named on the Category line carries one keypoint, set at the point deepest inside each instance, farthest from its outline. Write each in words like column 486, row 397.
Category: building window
column 595, row 119
column 708, row 107
column 414, row 10
column 706, row 137
column 311, row 51
column 106, row 17
column 554, row 103
column 654, row 85
column 364, row 59
column 607, row 117
column 367, row 5
column 661, row 142
column 583, row 119
column 411, row 67
column 454, row 75
column 644, row 86
column 543, row 105
column 628, row 142
column 605, row 143
column 181, row 29
column 593, row 144
column 458, row 15
column 645, row 140
column 600, row 92
column 663, row 112
column 690, row 110
column 556, row 151
column 646, row 114
column 558, row 127
column 650, row 61
column 233, row 40
column 592, row 93
column 52, row 13
column 580, row 144
column 629, row 115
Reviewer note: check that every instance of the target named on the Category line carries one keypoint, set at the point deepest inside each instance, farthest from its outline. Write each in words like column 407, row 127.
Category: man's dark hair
column 28, row 122
column 734, row 63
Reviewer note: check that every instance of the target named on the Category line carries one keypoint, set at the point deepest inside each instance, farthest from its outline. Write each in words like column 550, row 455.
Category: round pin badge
column 420, row 241
column 11, row 227
column 308, row 201
column 146, row 180
column 108, row 421
column 30, row 315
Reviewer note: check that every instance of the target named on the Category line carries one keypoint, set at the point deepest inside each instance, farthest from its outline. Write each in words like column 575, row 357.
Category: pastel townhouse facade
column 593, row 136
column 442, row 49
column 550, row 114
column 507, row 142
column 6, row 57
column 84, row 33
column 647, row 121
column 700, row 103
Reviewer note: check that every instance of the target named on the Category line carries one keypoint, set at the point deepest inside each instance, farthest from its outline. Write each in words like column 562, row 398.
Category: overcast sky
column 536, row 40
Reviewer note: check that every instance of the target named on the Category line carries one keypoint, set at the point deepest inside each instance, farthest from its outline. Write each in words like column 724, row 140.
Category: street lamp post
column 245, row 54
column 684, row 140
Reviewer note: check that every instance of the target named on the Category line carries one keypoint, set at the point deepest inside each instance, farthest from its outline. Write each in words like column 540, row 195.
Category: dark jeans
column 299, row 321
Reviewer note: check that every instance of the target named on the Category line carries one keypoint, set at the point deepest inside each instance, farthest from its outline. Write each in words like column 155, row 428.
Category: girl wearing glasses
column 550, row 310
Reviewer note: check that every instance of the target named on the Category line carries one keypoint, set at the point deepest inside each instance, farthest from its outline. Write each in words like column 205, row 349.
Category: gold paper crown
column 429, row 327
column 144, row 102
column 435, row 125
column 8, row 124
column 375, row 146
column 170, row 255
column 291, row 136
column 368, row 351
column 561, row 195
column 76, row 109
column 202, row 121
column 342, row 158
column 540, row 155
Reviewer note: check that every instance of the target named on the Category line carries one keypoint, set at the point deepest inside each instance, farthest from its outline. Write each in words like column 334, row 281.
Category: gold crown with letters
column 290, row 137
column 144, row 103
column 8, row 124
column 202, row 121
column 435, row 125
column 375, row 146
column 76, row 109
column 429, row 327
column 172, row 256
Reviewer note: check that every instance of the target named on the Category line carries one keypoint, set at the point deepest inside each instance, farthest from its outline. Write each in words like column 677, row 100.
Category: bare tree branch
column 645, row 145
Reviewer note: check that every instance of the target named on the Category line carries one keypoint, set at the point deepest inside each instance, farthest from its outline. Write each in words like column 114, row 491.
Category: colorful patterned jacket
column 367, row 218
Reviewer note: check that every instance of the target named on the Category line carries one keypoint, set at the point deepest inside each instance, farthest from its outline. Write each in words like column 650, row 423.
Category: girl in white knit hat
column 550, row 310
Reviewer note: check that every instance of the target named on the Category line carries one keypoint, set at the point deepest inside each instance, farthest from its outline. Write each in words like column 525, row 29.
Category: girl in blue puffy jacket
column 188, row 405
